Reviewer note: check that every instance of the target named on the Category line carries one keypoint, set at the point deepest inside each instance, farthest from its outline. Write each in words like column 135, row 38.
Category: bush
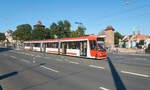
column 148, row 49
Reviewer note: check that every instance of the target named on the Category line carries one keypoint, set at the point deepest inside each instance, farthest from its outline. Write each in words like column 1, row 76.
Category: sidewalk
column 124, row 53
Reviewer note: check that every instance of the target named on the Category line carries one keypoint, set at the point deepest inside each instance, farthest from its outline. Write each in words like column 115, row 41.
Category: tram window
column 27, row 44
column 93, row 45
column 52, row 45
column 74, row 45
column 37, row 45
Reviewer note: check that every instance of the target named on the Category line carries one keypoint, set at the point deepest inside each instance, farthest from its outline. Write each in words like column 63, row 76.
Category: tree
column 117, row 36
column 124, row 45
column 81, row 31
column 67, row 27
column 74, row 33
column 53, row 30
column 61, row 29
column 23, row 32
column 38, row 33
column 47, row 33
column 140, row 44
column 2, row 36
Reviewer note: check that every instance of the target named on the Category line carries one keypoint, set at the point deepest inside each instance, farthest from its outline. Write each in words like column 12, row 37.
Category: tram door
column 93, row 48
column 31, row 47
column 43, row 47
column 64, row 48
column 83, row 48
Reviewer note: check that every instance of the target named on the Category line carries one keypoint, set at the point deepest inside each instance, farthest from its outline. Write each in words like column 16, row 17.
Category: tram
column 87, row 46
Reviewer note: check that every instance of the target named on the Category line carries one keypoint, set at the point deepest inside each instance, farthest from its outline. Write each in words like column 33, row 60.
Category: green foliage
column 74, row 33
column 23, row 32
column 40, row 33
column 2, row 36
column 61, row 29
column 117, row 37
column 139, row 45
column 147, row 50
column 53, row 30
column 124, row 45
column 81, row 31
column 141, row 42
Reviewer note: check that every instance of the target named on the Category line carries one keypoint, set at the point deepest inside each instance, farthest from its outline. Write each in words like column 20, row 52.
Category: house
column 131, row 41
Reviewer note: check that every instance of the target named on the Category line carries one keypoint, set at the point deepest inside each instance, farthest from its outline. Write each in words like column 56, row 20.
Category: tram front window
column 100, row 47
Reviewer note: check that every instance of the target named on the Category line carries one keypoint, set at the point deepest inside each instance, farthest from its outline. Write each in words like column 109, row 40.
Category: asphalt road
column 25, row 70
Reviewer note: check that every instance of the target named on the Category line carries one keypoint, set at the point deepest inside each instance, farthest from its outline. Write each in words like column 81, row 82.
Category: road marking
column 74, row 62
column 50, row 69
column 13, row 57
column 37, row 56
column 34, row 61
column 96, row 67
column 24, row 60
column 135, row 74
column 103, row 88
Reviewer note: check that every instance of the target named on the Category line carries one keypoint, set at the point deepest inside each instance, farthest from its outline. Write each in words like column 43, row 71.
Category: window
column 74, row 45
column 52, row 45
column 27, row 44
column 37, row 44
column 93, row 45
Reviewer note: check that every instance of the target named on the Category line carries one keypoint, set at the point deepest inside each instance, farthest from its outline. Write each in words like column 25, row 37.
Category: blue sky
column 94, row 14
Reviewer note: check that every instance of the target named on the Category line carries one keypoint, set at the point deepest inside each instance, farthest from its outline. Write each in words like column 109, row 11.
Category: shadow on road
column 7, row 76
column 5, row 49
column 117, row 80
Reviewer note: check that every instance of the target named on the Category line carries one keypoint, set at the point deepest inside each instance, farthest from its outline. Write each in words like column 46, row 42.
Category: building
column 39, row 25
column 132, row 40
column 107, row 36
column 8, row 35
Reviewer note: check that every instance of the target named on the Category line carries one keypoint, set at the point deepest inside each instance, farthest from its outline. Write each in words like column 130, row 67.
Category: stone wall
column 130, row 50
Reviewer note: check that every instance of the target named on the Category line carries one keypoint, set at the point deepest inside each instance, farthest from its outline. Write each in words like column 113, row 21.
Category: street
column 26, row 70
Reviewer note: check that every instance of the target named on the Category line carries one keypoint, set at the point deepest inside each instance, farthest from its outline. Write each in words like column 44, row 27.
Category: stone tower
column 109, row 40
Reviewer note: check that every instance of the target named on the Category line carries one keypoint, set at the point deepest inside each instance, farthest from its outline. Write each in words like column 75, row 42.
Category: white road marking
column 137, row 74
column 13, row 57
column 103, row 88
column 37, row 56
column 24, row 60
column 74, row 62
column 96, row 67
column 33, row 61
column 50, row 69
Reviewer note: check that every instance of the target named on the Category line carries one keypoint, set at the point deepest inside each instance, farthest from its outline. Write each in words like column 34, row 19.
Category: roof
column 110, row 28
column 135, row 37
column 142, row 37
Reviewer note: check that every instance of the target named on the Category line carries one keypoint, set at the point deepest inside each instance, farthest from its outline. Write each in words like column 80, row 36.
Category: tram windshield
column 100, row 47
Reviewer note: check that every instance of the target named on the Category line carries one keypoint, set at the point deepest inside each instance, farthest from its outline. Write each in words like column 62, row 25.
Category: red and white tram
column 78, row 46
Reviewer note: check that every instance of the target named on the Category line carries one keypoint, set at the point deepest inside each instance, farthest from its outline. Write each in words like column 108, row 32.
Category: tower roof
column 110, row 28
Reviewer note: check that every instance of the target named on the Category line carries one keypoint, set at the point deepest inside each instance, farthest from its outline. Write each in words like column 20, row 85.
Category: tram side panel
column 36, row 46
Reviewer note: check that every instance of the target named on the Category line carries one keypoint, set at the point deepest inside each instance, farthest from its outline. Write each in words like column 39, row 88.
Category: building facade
column 108, row 37
column 131, row 41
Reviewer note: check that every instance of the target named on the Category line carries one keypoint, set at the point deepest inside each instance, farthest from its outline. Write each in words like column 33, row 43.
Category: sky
column 95, row 15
